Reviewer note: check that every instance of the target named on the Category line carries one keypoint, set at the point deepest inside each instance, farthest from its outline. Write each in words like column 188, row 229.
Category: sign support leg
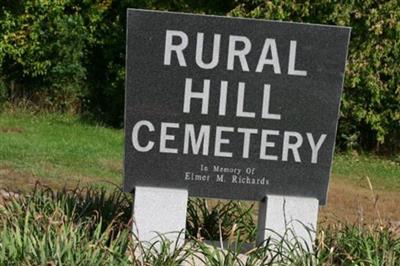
column 292, row 217
column 160, row 211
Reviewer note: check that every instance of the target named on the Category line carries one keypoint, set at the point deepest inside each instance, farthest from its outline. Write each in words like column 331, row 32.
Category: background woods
column 68, row 55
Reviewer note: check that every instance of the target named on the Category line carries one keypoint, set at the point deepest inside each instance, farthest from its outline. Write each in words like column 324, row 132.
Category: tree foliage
column 370, row 108
column 42, row 47
column 69, row 54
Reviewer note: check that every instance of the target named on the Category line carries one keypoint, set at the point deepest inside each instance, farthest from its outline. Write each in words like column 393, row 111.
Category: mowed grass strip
column 62, row 148
column 384, row 173
column 55, row 146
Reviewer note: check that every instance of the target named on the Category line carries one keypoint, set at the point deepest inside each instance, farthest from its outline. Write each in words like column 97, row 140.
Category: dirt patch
column 11, row 179
column 113, row 165
column 353, row 203
column 21, row 181
column 11, row 130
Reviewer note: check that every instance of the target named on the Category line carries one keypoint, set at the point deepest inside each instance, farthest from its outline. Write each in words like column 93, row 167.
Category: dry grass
column 355, row 203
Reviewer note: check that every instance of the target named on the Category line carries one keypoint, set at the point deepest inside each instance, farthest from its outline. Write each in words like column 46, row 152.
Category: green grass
column 63, row 148
column 54, row 146
column 384, row 173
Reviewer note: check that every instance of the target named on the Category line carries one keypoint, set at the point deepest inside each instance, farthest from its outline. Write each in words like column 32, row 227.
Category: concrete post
column 160, row 211
column 292, row 217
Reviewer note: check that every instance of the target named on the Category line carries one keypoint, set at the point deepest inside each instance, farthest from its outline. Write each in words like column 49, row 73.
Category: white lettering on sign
column 177, row 48
column 234, row 52
column 215, row 54
column 315, row 147
column 199, row 144
column 240, row 103
column 164, row 137
column 190, row 137
column 219, row 141
column 204, row 96
column 239, row 48
column 292, row 61
column 135, row 134
column 246, row 139
column 294, row 147
column 223, row 94
column 266, row 100
column 267, row 144
column 269, row 46
column 198, row 139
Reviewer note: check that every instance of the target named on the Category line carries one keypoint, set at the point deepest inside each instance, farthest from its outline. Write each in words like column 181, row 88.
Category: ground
column 355, row 203
column 59, row 150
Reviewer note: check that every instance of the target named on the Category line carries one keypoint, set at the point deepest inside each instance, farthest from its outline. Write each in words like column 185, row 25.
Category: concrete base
column 160, row 211
column 291, row 217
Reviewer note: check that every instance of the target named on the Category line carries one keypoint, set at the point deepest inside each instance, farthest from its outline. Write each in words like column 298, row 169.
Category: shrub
column 42, row 48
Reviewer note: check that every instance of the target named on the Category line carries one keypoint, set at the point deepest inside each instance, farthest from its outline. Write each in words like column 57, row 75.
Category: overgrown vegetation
column 90, row 226
column 226, row 220
column 69, row 55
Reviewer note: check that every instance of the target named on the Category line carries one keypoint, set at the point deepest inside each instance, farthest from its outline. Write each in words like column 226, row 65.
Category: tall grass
column 221, row 220
column 92, row 226
column 64, row 228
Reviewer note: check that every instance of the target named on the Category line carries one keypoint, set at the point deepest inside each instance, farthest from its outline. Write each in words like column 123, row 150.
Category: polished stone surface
column 284, row 114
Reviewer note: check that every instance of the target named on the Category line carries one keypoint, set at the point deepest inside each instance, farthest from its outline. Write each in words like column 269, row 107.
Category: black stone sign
column 231, row 108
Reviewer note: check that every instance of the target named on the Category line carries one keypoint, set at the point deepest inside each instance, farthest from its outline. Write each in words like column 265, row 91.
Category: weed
column 92, row 226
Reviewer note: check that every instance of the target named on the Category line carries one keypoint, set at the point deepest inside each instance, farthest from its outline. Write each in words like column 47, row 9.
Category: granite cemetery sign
column 231, row 108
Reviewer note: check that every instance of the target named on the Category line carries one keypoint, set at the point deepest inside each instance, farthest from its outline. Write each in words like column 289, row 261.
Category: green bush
column 70, row 54
column 42, row 48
